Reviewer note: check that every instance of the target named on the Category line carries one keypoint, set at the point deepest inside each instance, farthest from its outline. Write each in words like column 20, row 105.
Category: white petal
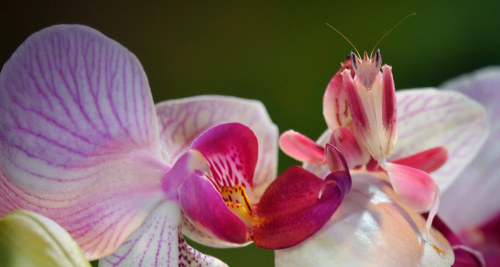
column 428, row 118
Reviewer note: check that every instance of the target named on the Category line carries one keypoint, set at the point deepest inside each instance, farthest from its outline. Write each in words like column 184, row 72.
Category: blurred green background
column 280, row 53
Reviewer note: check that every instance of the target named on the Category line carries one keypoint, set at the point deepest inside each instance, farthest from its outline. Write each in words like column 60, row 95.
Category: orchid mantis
column 439, row 132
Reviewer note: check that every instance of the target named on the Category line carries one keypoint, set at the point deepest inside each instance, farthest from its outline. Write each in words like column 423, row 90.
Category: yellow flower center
column 236, row 199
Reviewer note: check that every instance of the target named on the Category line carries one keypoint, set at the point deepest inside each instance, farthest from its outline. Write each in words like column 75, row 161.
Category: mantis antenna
column 333, row 28
column 390, row 30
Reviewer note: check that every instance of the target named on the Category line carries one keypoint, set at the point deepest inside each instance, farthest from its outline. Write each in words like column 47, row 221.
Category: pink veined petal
column 98, row 216
column 158, row 242
column 370, row 228
column 154, row 243
column 183, row 120
column 78, row 136
column 301, row 147
column 231, row 150
column 428, row 118
column 203, row 205
column 296, row 205
column 462, row 207
column 344, row 140
column 428, row 160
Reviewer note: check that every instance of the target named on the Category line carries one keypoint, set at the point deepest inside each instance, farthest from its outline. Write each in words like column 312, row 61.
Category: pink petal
column 428, row 160
column 158, row 242
column 98, row 216
column 301, row 147
column 78, row 136
column 370, row 228
column 296, row 205
column 231, row 150
column 429, row 118
column 181, row 121
column 473, row 198
column 344, row 140
column 203, row 205
column 415, row 188
column 335, row 109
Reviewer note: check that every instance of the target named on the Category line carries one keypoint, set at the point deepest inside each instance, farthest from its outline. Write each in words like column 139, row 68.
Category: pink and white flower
column 378, row 223
column 82, row 143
